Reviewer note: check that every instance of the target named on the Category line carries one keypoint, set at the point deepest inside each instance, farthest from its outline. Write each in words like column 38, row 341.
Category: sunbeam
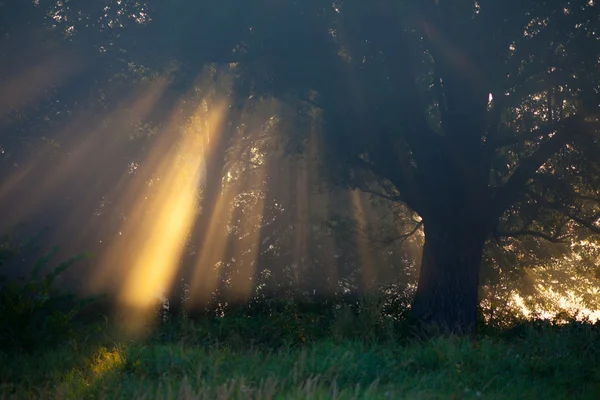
column 62, row 192
column 26, row 87
column 367, row 265
column 163, row 206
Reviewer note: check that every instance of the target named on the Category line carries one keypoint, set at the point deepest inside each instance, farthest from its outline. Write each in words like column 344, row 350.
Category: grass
column 278, row 349
column 178, row 361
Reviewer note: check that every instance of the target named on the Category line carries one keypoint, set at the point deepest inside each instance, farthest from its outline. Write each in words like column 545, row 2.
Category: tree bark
column 447, row 292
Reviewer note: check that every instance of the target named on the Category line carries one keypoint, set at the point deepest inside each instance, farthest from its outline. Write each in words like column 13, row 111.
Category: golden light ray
column 82, row 170
column 38, row 171
column 299, row 178
column 312, row 205
column 359, row 210
column 247, row 250
column 322, row 205
column 205, row 276
column 162, row 214
column 162, row 225
column 218, row 245
column 332, row 267
column 284, row 180
column 27, row 87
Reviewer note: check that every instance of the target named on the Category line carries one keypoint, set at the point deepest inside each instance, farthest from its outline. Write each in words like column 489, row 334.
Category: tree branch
column 508, row 194
column 526, row 232
column 588, row 198
column 589, row 223
column 545, row 131
column 406, row 186
column 402, row 238
column 379, row 194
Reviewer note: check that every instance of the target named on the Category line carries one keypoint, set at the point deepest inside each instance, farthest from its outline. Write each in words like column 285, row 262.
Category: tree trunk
column 447, row 292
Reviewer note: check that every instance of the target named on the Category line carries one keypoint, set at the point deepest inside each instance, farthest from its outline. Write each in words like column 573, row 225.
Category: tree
column 479, row 116
column 463, row 112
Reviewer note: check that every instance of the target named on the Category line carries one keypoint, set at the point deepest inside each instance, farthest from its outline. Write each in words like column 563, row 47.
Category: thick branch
column 508, row 194
column 589, row 223
column 399, row 238
column 404, row 183
column 525, row 232
column 379, row 194
column 592, row 199
column 534, row 134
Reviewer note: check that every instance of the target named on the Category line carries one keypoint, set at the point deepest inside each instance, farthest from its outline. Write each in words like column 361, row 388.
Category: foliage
column 289, row 321
column 33, row 313
column 8, row 249
column 298, row 346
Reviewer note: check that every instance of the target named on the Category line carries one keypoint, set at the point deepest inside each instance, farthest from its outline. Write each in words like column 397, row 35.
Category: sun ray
column 246, row 250
column 160, row 247
column 360, row 214
column 28, row 86
column 213, row 245
column 47, row 186
column 163, row 212
column 299, row 179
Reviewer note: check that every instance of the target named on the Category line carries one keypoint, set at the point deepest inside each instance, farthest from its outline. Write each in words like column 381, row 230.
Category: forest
column 344, row 199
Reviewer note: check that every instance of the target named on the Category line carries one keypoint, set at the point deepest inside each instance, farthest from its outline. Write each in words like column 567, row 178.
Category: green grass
column 550, row 362
column 51, row 347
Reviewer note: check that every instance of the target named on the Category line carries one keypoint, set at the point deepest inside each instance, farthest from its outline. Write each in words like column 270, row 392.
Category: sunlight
column 234, row 226
column 246, row 249
column 213, row 245
column 164, row 204
column 28, row 86
column 299, row 189
column 46, row 185
column 310, row 206
column 323, row 202
column 159, row 240
column 557, row 302
column 102, row 363
column 359, row 209
column 219, row 199
column 206, row 272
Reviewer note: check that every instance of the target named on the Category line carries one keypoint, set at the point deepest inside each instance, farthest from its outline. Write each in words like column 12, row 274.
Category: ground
column 205, row 361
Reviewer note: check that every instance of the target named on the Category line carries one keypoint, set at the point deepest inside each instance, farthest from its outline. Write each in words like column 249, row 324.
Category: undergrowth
column 33, row 312
column 279, row 348
column 553, row 363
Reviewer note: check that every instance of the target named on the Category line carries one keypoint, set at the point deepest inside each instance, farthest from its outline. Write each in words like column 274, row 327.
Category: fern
column 34, row 313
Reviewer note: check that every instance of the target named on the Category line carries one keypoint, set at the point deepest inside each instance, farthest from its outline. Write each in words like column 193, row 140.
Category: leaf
column 43, row 261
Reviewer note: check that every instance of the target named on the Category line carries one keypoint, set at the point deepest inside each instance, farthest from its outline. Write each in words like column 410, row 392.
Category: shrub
column 33, row 312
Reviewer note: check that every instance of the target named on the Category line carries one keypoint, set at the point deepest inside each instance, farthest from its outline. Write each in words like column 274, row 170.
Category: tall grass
column 540, row 361
column 283, row 349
